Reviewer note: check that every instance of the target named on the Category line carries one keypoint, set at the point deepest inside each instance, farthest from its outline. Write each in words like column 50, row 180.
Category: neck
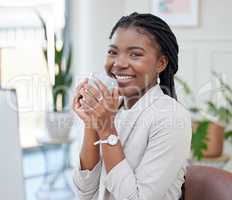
column 130, row 101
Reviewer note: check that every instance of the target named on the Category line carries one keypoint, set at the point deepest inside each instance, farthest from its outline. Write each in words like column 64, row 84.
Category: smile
column 123, row 77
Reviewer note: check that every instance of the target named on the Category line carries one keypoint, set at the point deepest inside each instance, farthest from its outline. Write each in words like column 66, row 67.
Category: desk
column 28, row 142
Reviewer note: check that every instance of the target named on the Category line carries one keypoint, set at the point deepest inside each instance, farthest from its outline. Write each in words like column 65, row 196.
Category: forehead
column 132, row 36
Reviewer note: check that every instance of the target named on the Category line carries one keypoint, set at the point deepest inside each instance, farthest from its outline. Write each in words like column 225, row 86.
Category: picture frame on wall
column 177, row 12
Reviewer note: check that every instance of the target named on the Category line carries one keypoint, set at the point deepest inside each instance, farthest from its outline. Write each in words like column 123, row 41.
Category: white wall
column 92, row 21
column 208, row 47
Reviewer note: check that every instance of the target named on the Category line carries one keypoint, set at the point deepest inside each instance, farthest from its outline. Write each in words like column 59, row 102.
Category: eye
column 136, row 54
column 111, row 52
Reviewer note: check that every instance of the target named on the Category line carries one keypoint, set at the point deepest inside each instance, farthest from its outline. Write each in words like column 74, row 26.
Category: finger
column 81, row 85
column 76, row 103
column 102, row 87
column 93, row 91
column 82, row 114
column 87, row 108
column 113, row 106
column 115, row 94
column 89, row 99
column 97, row 111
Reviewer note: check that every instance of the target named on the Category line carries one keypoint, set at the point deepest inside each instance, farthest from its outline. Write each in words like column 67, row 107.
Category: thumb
column 116, row 94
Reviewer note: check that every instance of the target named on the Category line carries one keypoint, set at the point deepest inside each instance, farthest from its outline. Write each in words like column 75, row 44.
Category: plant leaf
column 228, row 134
column 212, row 108
column 199, row 139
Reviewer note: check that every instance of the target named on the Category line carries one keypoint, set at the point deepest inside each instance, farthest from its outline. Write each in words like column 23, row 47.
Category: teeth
column 123, row 77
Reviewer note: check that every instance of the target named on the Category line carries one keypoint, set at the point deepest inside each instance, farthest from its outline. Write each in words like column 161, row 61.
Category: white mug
column 107, row 80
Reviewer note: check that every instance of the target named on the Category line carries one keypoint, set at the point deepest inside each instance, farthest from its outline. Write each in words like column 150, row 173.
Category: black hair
column 166, row 39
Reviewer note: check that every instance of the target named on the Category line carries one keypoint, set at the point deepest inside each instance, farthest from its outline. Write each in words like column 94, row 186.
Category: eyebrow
column 129, row 48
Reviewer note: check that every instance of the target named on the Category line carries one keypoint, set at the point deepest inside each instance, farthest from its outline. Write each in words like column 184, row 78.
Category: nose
column 121, row 61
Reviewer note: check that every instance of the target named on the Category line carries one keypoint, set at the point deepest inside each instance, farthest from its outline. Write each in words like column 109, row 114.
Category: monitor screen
column 11, row 171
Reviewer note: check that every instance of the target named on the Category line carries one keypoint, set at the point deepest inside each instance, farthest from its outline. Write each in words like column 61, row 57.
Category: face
column 134, row 61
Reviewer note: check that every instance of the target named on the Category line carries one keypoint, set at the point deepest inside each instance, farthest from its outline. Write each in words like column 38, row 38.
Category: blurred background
column 48, row 46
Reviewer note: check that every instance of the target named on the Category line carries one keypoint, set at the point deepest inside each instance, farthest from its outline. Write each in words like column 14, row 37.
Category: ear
column 162, row 63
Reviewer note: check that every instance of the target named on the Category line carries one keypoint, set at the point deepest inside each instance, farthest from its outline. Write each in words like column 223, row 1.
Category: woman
column 134, row 147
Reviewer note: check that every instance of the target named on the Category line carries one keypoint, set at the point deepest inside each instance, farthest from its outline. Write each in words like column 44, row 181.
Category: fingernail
column 81, row 90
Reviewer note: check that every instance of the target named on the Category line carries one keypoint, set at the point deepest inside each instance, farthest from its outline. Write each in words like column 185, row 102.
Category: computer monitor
column 11, row 171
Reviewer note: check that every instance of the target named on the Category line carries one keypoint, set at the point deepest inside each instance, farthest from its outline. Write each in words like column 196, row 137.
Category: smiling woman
column 130, row 144
column 134, row 62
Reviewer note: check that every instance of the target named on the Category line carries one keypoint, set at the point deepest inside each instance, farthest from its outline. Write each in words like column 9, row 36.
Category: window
column 23, row 65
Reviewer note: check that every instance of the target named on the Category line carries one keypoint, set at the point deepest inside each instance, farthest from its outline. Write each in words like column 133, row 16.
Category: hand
column 100, row 105
column 77, row 106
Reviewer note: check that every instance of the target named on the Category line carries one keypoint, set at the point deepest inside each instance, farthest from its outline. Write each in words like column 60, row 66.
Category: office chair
column 207, row 183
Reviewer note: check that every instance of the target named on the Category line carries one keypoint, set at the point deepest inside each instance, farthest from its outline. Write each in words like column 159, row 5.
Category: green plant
column 63, row 77
column 199, row 136
column 222, row 113
column 63, row 57
column 193, row 108
column 228, row 135
column 199, row 139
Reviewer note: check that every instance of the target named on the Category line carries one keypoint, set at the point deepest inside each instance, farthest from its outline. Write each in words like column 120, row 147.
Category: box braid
column 163, row 35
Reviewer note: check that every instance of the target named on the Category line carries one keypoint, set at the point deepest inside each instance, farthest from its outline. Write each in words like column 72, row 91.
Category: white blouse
column 156, row 137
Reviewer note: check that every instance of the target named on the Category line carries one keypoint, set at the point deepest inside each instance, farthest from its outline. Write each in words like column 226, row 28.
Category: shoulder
column 166, row 113
column 170, row 125
column 166, row 107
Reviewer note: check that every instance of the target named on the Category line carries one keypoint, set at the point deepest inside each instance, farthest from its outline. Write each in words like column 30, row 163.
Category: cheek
column 108, row 65
column 146, row 73
column 145, row 69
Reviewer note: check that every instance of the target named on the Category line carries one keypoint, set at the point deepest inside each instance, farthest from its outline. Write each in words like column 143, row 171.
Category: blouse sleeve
column 167, row 150
column 87, row 181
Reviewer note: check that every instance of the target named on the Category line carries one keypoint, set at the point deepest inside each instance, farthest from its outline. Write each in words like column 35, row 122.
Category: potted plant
column 199, row 127
column 59, row 120
column 222, row 115
column 207, row 138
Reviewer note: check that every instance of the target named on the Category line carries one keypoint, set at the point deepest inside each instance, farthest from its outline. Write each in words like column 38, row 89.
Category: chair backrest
column 208, row 183
column 11, row 173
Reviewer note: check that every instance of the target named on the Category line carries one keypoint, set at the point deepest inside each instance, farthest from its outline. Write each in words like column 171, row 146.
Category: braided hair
column 163, row 35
